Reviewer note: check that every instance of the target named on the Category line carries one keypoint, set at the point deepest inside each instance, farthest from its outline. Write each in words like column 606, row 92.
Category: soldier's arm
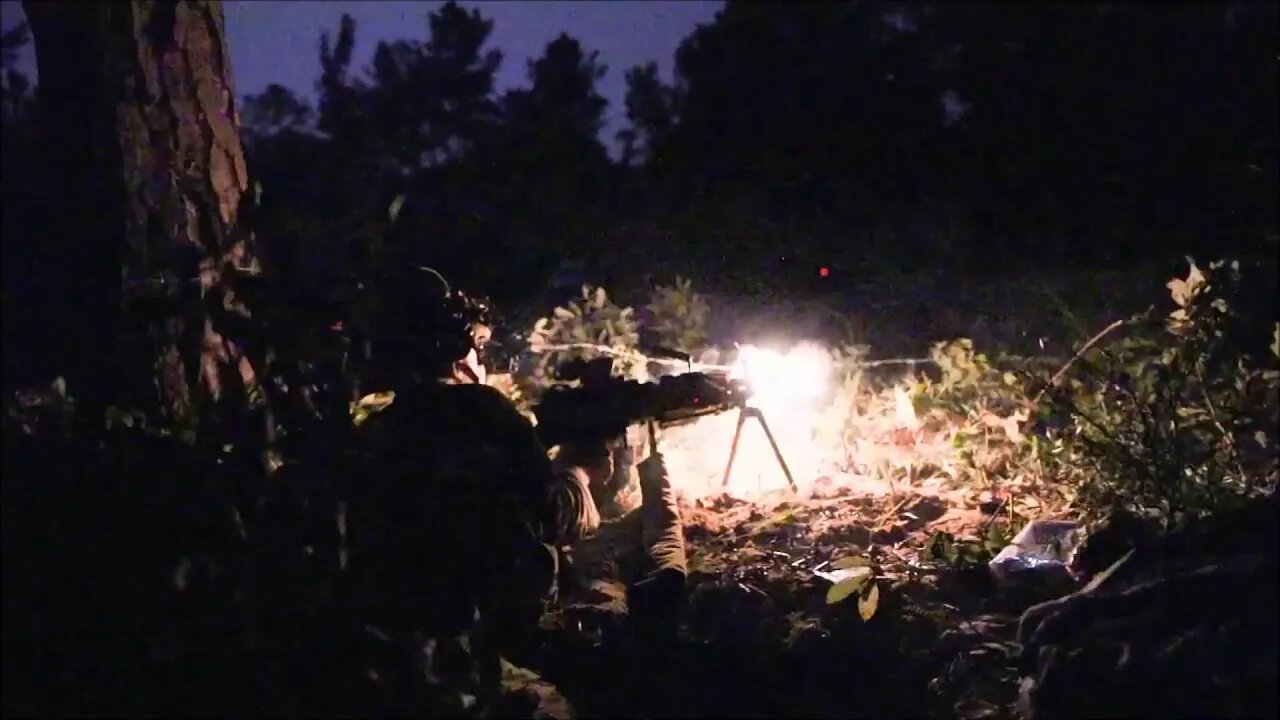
column 565, row 506
column 663, row 533
column 576, row 514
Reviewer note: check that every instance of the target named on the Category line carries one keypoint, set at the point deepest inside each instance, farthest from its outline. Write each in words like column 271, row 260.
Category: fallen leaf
column 868, row 602
column 847, row 586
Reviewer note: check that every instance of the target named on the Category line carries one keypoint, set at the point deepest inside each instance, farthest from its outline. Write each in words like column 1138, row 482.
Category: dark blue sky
column 274, row 41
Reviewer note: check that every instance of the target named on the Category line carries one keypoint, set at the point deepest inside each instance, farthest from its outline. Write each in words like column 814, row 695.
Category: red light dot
column 824, row 271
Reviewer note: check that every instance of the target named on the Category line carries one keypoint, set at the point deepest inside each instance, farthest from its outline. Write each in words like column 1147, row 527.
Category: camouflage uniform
column 453, row 557
column 628, row 581
column 642, row 544
column 576, row 513
column 640, row 538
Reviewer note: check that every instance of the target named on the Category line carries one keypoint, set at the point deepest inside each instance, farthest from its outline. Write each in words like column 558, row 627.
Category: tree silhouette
column 431, row 101
column 651, row 111
column 1062, row 144
column 870, row 134
column 338, row 92
column 563, row 97
column 543, row 174
column 461, row 72
column 274, row 110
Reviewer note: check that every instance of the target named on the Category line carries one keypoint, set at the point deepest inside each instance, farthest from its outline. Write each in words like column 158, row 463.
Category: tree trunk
column 144, row 137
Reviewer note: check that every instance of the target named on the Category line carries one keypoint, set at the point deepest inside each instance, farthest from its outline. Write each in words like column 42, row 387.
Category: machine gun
column 604, row 405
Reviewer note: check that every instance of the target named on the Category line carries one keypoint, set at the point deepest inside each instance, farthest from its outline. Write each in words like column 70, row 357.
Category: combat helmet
column 422, row 321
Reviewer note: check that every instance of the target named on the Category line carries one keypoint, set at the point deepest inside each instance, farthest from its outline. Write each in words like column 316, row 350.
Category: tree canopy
column 864, row 136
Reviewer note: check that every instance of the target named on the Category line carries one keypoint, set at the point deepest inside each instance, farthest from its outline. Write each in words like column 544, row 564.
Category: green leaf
column 852, row 561
column 941, row 547
column 847, row 587
column 869, row 601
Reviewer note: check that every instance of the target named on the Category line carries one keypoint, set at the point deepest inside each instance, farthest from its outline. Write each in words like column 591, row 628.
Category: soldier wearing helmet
column 457, row 517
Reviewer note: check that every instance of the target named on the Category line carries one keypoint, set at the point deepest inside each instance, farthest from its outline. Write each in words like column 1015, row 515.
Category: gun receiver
column 604, row 405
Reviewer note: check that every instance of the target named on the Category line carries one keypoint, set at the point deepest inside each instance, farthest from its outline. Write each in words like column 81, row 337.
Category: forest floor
column 925, row 630
column 761, row 636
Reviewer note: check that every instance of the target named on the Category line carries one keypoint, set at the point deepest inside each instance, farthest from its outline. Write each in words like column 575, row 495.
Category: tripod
column 744, row 413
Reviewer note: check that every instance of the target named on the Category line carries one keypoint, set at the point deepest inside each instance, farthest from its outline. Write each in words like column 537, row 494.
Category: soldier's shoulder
column 484, row 400
column 481, row 394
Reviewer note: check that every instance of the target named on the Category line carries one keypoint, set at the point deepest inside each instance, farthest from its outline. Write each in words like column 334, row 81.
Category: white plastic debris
column 840, row 574
column 1041, row 545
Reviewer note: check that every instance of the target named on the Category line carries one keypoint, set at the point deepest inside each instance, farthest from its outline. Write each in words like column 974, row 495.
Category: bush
column 1178, row 417
column 1168, row 415
column 679, row 317
column 592, row 325
column 585, row 328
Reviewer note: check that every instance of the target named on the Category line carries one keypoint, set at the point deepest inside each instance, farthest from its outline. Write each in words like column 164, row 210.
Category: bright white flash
column 783, row 382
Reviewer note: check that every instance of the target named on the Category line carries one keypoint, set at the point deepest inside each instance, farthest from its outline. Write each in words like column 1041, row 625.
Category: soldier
column 645, row 543
column 638, row 543
column 454, row 523
column 634, row 564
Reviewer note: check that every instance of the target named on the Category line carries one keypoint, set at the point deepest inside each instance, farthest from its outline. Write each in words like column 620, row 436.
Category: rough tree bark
column 143, row 134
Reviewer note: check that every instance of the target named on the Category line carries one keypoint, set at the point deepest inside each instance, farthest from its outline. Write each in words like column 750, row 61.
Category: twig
column 1227, row 437
column 994, row 514
column 891, row 512
column 1057, row 377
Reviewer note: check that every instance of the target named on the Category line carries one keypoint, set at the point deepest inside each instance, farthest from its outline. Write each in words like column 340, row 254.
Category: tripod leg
column 733, row 449
column 774, row 443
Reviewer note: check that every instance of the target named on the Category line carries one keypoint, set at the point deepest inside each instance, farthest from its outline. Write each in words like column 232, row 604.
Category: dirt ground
column 760, row 636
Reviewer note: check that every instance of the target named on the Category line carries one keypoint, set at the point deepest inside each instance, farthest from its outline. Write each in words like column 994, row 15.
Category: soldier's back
column 452, row 506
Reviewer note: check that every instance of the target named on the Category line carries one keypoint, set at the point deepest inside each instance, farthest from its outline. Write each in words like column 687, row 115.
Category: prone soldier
column 638, row 550
column 647, row 537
